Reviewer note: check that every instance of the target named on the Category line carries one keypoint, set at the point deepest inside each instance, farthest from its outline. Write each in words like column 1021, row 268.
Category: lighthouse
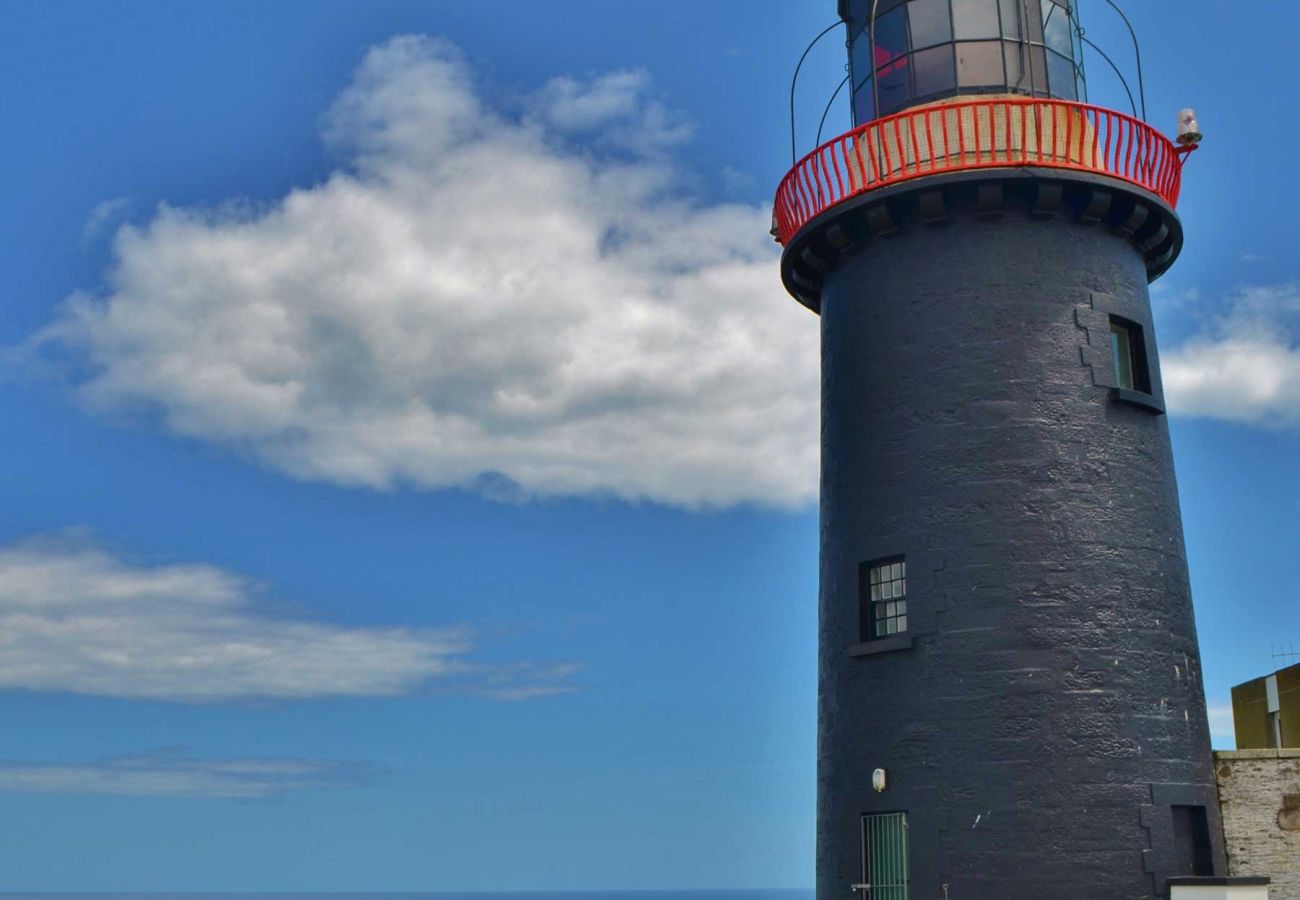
column 1010, row 697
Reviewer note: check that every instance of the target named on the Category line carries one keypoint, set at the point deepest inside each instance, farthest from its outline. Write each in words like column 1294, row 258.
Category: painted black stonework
column 1047, row 711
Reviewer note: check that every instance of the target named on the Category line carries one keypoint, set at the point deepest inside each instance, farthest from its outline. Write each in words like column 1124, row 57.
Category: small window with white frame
column 884, row 598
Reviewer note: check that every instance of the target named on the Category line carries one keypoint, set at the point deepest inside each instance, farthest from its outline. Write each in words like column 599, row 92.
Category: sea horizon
column 587, row 894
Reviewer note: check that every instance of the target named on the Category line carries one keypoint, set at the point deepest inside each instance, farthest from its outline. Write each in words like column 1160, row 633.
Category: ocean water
column 754, row 894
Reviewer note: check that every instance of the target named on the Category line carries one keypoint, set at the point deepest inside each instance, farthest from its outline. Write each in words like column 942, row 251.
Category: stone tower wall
column 1044, row 712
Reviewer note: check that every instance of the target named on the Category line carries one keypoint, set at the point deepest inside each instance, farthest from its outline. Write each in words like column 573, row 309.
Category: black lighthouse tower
column 1010, row 698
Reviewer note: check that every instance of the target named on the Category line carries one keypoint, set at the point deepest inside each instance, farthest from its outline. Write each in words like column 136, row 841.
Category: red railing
column 969, row 135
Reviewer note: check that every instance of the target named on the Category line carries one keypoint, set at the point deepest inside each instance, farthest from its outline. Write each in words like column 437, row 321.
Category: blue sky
column 410, row 461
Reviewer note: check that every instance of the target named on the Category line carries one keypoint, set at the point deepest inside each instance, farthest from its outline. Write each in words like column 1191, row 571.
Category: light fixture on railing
column 1189, row 130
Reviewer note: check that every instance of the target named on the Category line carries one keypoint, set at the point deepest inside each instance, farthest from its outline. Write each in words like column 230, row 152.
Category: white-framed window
column 884, row 598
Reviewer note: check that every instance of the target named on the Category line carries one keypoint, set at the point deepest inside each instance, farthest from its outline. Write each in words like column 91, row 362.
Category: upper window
column 884, row 598
column 1128, row 350
column 914, row 51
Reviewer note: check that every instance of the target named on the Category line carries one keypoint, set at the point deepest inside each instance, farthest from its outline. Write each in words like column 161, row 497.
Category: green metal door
column 884, row 857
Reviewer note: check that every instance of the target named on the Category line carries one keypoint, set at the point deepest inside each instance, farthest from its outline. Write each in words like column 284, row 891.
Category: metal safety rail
column 970, row 135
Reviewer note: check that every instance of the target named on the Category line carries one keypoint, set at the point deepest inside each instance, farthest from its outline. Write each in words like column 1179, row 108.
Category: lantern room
column 907, row 52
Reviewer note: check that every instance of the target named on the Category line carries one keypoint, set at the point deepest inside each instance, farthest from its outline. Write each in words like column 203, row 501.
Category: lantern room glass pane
column 1037, row 70
column 1060, row 72
column 1076, row 39
column 972, row 19
column 863, row 110
column 980, row 64
column 861, row 59
column 892, row 69
column 1056, row 27
column 895, row 89
column 1032, row 20
column 1015, row 74
column 930, row 22
column 934, row 71
column 863, row 100
column 1011, row 18
column 891, row 35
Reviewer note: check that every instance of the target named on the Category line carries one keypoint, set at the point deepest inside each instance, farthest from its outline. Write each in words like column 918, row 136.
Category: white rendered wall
column 1220, row 892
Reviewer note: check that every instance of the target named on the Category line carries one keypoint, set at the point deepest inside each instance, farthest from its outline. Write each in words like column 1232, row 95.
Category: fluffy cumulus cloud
column 77, row 618
column 176, row 774
column 474, row 298
column 1246, row 366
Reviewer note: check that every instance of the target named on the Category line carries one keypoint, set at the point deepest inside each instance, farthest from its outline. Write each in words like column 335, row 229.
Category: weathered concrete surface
column 1259, row 791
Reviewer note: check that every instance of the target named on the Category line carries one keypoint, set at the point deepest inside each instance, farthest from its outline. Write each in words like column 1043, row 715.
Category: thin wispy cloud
column 176, row 774
column 75, row 617
column 1245, row 366
column 474, row 298
column 103, row 215
column 525, row 680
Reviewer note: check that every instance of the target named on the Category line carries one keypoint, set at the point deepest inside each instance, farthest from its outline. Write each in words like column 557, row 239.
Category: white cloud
column 475, row 296
column 173, row 774
column 77, row 618
column 1246, row 366
column 613, row 108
